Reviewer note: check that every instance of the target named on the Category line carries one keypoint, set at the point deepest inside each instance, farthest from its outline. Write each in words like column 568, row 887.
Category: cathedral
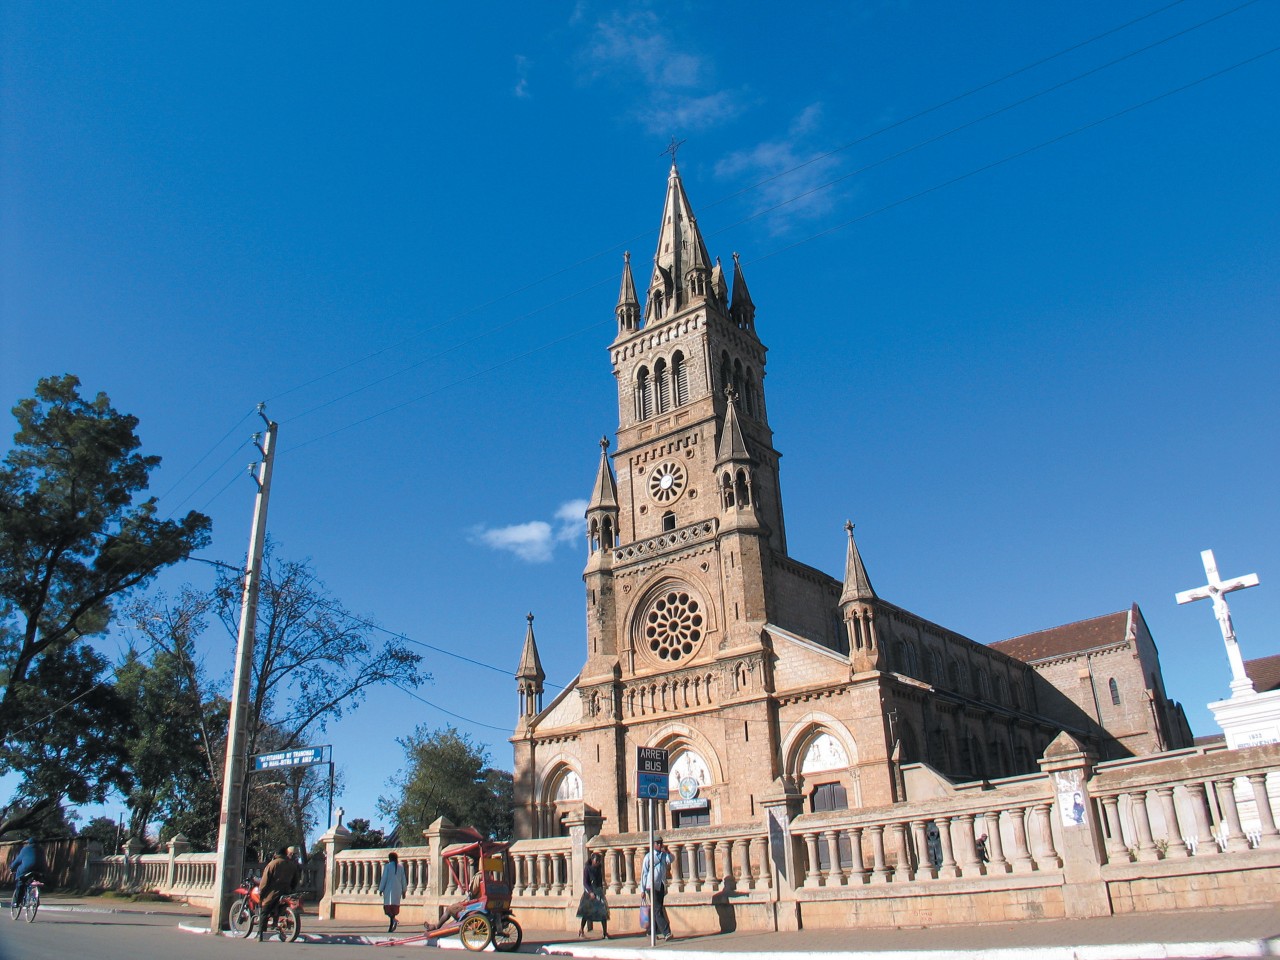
column 703, row 637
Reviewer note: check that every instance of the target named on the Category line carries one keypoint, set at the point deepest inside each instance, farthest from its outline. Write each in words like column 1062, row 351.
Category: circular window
column 667, row 482
column 673, row 626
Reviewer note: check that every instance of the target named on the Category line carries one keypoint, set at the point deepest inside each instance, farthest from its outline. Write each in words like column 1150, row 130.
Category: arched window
column 741, row 491
column 726, row 373
column 679, row 381
column 749, row 393
column 953, row 674
column 661, row 387
column 606, row 533
column 644, row 394
column 984, row 686
column 1002, row 694
column 593, row 538
column 1115, row 690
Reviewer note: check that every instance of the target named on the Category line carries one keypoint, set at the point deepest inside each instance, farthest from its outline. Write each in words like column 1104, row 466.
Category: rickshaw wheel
column 508, row 935
column 476, row 932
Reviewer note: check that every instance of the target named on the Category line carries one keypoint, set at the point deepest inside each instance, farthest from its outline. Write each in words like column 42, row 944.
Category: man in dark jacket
column 280, row 877
column 23, row 868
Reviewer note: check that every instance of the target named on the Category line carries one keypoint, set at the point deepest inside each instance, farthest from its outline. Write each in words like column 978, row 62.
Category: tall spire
column 743, row 311
column 628, row 309
column 681, row 266
column 857, row 585
column 733, row 446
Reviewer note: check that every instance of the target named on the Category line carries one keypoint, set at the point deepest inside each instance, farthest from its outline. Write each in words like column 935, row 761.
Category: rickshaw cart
column 486, row 918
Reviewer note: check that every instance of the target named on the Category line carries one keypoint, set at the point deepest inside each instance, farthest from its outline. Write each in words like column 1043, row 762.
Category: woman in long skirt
column 593, row 907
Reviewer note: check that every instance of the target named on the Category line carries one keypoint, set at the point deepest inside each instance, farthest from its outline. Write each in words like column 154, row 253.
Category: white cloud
column 675, row 82
column 536, row 540
column 521, row 89
column 791, row 179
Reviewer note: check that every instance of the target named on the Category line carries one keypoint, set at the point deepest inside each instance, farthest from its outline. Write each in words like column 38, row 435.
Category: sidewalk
column 1246, row 932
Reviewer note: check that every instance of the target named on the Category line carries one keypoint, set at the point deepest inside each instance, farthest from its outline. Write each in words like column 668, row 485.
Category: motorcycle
column 247, row 908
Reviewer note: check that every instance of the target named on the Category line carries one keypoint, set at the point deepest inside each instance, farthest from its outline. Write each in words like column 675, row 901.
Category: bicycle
column 30, row 901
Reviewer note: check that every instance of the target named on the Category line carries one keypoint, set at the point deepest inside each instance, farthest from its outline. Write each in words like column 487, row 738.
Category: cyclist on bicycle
column 23, row 868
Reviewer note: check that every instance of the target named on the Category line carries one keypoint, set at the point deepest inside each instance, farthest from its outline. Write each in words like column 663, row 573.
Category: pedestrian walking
column 592, row 906
column 653, row 882
column 392, row 886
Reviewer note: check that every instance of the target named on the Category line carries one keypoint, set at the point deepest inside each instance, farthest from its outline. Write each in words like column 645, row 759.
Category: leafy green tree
column 105, row 831
column 73, row 538
column 364, row 836
column 447, row 775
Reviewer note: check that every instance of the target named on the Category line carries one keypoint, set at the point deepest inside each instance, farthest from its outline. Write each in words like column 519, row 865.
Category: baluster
column 1230, row 812
column 878, row 874
column 1270, row 836
column 1022, row 862
column 707, row 875
column 1205, row 844
column 1142, row 824
column 629, row 865
column 1176, row 847
column 968, row 860
column 812, row 873
column 830, row 839
column 743, row 874
column 923, row 868
column 995, row 846
column 858, row 868
column 759, row 863
column 1117, row 851
column 1050, row 856
column 676, row 873
column 949, row 868
column 905, row 869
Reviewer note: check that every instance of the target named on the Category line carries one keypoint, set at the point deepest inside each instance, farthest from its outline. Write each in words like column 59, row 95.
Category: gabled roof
column 1104, row 631
column 1264, row 672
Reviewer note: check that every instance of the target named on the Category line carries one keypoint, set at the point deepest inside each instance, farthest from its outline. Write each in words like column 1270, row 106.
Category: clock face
column 667, row 482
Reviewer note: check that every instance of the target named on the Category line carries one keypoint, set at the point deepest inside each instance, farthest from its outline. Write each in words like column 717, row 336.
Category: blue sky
column 1021, row 308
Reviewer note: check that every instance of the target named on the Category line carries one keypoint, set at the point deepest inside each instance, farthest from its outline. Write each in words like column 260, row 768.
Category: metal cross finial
column 848, row 526
column 672, row 148
column 529, row 617
column 604, row 443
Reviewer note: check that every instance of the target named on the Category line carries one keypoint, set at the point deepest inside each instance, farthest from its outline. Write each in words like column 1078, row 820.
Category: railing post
column 782, row 803
column 336, row 840
column 179, row 844
column 1069, row 767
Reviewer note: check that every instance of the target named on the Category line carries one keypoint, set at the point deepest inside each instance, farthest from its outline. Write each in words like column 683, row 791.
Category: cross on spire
column 672, row 147
column 1216, row 590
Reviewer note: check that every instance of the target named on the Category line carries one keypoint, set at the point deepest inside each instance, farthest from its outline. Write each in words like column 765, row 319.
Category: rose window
column 667, row 482
column 673, row 626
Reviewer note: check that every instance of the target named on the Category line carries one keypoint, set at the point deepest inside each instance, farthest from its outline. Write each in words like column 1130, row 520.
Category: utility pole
column 231, row 825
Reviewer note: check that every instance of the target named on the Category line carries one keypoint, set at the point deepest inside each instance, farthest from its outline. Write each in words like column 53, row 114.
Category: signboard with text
column 302, row 757
column 653, row 773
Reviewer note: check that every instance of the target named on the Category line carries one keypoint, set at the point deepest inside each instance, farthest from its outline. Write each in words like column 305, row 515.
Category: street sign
column 302, row 757
column 652, row 767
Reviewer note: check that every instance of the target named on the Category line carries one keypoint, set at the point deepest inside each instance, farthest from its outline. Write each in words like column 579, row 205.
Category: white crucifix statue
column 1216, row 590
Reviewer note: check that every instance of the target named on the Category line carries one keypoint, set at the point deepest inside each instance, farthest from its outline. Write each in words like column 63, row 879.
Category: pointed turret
column 628, row 309
column 602, row 511
column 733, row 446
column 719, row 289
column 858, row 605
column 743, row 311
column 681, row 266
column 529, row 676
column 857, row 585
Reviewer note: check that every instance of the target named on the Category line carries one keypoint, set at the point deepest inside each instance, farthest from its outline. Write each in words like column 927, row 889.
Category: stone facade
column 754, row 670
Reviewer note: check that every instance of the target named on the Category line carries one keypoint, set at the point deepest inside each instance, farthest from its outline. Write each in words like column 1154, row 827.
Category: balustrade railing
column 731, row 858
column 358, row 873
column 544, row 868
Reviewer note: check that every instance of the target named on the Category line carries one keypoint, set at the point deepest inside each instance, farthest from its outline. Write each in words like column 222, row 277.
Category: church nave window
column 661, row 387
column 644, row 394
column 1115, row 691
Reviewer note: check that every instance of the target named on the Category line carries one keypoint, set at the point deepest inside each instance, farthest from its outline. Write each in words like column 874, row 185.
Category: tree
column 105, row 831
column 313, row 662
column 365, row 837
column 72, row 539
column 447, row 775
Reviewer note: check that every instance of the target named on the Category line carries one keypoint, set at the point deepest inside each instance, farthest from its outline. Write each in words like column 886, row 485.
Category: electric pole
column 231, row 826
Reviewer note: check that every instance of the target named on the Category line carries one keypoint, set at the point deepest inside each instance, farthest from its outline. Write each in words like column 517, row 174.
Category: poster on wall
column 1070, row 790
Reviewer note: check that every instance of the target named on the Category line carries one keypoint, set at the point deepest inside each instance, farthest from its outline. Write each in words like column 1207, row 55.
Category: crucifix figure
column 1217, row 589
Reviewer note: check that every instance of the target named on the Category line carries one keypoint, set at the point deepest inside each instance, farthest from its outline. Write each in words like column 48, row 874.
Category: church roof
column 1264, row 672
column 1112, row 628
